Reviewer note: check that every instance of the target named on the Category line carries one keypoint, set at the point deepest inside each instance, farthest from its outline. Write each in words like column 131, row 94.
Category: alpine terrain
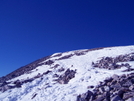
column 101, row 74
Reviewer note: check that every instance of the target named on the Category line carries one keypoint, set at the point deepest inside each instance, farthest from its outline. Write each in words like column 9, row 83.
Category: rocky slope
column 101, row 74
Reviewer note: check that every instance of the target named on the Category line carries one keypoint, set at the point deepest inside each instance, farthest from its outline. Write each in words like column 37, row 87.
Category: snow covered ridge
column 43, row 61
column 101, row 74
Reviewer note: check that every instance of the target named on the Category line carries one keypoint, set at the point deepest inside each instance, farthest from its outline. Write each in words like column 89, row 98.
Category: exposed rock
column 128, row 95
column 64, row 78
column 79, row 53
column 23, row 70
column 47, row 72
column 34, row 95
column 66, row 57
column 49, row 62
column 116, row 98
column 55, row 66
column 127, row 84
column 112, row 62
column 88, row 96
column 108, row 79
column 116, row 88
column 55, row 75
column 61, row 69
column 18, row 83
column 90, row 87
column 100, row 98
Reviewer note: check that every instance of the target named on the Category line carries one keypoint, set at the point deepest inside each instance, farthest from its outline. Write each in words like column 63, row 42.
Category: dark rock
column 55, row 66
column 47, row 72
column 55, row 75
column 100, row 98
column 116, row 98
column 108, row 79
column 123, row 76
column 64, row 79
column 34, row 96
column 111, row 63
column 66, row 57
column 122, row 81
column 28, row 80
column 37, row 76
column 17, row 83
column 79, row 53
column 88, row 96
column 49, row 62
column 127, row 84
column 61, row 69
column 113, row 82
column 127, row 65
column 122, row 91
column 90, row 87
column 128, row 95
column 117, row 86
column 107, row 96
column 4, row 83
column 132, row 80
column 131, row 76
column 24, row 69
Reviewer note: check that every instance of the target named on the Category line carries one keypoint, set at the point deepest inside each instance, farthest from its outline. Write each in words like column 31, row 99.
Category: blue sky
column 32, row 29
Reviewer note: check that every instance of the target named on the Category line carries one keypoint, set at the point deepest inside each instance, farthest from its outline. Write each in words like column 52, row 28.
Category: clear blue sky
column 32, row 29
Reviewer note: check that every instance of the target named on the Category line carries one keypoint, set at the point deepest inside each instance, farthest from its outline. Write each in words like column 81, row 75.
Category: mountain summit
column 101, row 74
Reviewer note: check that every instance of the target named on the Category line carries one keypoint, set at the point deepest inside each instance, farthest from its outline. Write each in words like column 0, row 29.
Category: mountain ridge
column 73, row 76
column 36, row 63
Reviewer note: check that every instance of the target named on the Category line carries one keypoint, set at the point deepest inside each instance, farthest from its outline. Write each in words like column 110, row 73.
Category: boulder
column 88, row 96
column 128, row 95
column 66, row 77
column 116, row 98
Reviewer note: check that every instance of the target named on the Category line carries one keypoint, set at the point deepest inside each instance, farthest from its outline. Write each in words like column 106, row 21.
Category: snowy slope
column 45, row 86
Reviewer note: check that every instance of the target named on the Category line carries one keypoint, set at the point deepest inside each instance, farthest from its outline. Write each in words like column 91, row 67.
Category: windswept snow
column 47, row 89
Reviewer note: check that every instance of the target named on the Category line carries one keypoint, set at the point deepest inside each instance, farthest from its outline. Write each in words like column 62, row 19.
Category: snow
column 47, row 89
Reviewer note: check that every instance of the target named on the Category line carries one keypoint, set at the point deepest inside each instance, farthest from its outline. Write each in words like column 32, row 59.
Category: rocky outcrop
column 66, row 77
column 115, row 88
column 25, row 69
column 18, row 83
column 112, row 62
